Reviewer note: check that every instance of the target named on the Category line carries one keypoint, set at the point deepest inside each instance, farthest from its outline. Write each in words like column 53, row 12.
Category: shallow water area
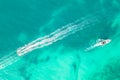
column 52, row 37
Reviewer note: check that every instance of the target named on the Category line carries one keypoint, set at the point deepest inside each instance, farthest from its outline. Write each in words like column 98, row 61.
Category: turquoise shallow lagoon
column 24, row 21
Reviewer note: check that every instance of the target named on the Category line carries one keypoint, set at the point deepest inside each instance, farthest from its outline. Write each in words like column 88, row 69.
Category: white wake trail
column 8, row 60
column 57, row 35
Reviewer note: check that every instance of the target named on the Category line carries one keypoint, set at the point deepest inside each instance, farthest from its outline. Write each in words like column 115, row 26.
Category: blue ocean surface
column 59, row 40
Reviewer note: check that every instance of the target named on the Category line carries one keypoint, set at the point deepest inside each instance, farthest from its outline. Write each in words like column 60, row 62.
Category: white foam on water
column 57, row 35
column 8, row 60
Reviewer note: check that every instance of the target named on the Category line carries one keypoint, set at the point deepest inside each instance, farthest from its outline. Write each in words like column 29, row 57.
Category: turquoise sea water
column 23, row 21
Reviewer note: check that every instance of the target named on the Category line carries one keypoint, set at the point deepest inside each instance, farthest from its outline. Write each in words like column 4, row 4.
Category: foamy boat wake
column 8, row 60
column 59, row 34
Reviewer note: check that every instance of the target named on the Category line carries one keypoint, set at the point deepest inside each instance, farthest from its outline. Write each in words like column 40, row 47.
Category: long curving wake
column 59, row 34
